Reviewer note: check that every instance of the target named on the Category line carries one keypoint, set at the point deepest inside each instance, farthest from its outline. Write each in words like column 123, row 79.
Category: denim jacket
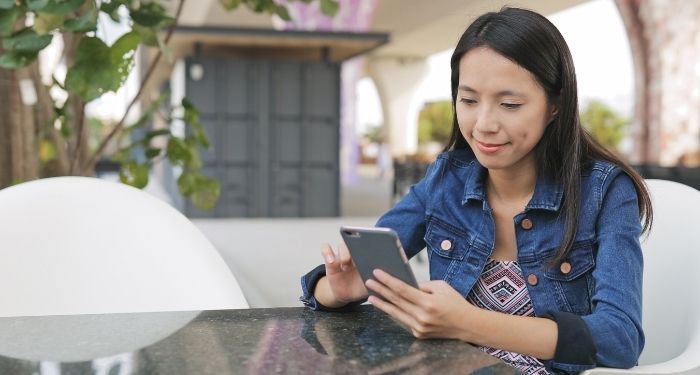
column 595, row 298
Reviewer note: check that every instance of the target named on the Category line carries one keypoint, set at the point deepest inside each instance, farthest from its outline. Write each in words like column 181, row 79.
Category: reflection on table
column 255, row 341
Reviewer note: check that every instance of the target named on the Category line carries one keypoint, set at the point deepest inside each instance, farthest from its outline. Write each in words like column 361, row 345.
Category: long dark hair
column 534, row 43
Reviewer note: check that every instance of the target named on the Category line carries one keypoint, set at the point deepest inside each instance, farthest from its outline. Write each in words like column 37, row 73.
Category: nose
column 486, row 121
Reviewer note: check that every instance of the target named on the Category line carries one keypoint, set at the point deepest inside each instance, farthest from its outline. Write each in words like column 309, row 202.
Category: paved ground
column 370, row 196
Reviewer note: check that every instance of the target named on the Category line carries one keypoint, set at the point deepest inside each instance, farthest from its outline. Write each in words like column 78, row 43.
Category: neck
column 513, row 184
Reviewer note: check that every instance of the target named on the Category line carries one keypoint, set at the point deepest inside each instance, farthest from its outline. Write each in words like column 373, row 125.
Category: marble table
column 253, row 341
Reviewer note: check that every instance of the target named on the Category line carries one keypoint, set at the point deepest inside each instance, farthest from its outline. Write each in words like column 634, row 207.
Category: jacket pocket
column 446, row 241
column 573, row 280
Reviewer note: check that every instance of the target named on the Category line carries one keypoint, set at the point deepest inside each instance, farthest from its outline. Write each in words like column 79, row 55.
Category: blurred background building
column 327, row 116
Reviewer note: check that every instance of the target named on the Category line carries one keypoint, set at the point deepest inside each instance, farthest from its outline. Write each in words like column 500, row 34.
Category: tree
column 606, row 126
column 435, row 122
column 43, row 134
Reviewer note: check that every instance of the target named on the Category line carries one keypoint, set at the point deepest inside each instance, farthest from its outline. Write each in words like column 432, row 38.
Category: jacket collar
column 547, row 196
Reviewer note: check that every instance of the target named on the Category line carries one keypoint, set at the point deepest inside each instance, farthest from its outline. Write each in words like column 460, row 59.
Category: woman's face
column 501, row 110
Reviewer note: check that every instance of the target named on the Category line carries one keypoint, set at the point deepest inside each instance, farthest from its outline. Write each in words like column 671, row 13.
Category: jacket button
column 565, row 268
column 526, row 224
column 532, row 279
column 446, row 245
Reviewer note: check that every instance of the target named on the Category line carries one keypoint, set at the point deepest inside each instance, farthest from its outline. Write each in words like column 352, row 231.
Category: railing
column 407, row 173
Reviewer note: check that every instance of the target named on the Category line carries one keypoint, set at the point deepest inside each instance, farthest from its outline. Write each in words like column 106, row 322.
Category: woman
column 532, row 228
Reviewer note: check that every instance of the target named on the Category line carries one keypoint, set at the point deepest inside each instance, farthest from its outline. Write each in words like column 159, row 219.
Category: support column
column 665, row 41
column 397, row 81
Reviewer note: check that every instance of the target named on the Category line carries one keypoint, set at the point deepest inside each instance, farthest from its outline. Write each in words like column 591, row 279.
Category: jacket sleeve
column 616, row 321
column 611, row 336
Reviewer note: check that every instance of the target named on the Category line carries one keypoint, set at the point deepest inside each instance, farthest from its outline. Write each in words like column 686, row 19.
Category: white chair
column 78, row 245
column 671, row 309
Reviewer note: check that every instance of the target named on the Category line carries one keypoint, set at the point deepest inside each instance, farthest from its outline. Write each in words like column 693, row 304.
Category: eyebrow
column 500, row 93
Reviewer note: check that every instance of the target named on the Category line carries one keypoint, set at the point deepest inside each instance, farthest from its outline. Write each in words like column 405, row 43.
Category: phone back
column 373, row 248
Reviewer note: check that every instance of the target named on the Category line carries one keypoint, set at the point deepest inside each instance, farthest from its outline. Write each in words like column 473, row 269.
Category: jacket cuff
column 308, row 286
column 575, row 349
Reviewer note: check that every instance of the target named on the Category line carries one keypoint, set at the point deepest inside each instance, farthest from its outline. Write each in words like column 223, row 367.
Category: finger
column 430, row 286
column 330, row 260
column 393, row 311
column 399, row 287
column 345, row 258
column 393, row 297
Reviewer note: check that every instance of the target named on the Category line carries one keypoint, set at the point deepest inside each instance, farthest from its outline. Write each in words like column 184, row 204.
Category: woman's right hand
column 342, row 283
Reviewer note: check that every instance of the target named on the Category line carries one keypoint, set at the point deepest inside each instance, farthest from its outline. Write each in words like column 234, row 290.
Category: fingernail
column 329, row 258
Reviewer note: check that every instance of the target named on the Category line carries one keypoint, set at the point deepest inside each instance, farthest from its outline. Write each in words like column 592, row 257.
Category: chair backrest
column 671, row 310
column 77, row 245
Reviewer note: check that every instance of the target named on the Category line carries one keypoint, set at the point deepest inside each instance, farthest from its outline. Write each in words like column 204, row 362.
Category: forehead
column 484, row 69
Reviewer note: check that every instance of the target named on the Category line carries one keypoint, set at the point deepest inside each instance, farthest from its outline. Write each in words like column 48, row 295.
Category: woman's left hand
column 435, row 310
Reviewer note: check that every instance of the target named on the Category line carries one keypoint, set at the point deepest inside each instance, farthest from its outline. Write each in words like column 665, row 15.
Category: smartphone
column 373, row 248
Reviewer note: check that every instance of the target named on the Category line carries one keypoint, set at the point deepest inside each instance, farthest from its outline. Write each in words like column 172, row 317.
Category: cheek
column 466, row 122
column 532, row 132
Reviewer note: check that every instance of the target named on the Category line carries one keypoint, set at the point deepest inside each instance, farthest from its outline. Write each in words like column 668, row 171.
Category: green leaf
column 191, row 119
column 93, row 73
column 151, row 15
column 16, row 59
column 62, row 7
column 134, row 174
column 156, row 133
column 122, row 53
column 7, row 4
column 36, row 5
column 183, row 153
column 260, row 6
column 152, row 152
column 186, row 183
column 329, row 7
column 206, row 193
column 282, row 12
column 230, row 4
column 44, row 23
column 190, row 109
column 178, row 152
column 112, row 9
column 149, row 36
column 26, row 40
column 8, row 18
column 86, row 22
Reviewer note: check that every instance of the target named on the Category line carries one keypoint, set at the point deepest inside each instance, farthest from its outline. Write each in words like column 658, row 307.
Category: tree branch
column 80, row 124
column 92, row 161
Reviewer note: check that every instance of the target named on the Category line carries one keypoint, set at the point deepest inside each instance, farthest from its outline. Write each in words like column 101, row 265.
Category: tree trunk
column 18, row 152
column 78, row 143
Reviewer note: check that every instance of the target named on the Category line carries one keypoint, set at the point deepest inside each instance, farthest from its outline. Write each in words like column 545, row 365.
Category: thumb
column 330, row 259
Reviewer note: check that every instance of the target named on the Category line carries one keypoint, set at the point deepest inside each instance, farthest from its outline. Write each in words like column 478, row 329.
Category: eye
column 511, row 105
column 467, row 101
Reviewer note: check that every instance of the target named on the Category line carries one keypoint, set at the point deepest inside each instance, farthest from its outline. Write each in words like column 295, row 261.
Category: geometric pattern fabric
column 501, row 287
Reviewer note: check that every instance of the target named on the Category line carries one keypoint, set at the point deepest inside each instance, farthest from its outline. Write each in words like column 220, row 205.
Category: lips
column 490, row 148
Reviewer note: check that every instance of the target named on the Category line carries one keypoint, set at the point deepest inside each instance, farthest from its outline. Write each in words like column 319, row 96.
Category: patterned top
column 501, row 287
